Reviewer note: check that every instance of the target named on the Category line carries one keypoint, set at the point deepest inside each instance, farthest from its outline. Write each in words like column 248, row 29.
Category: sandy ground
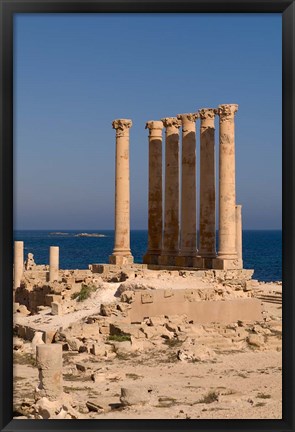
column 236, row 381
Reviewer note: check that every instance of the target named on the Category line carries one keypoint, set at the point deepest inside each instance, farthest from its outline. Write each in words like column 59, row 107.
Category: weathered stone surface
column 255, row 340
column 49, row 363
column 53, row 263
column 136, row 395
column 30, row 262
column 56, row 308
column 121, row 253
column 188, row 240
column 92, row 406
column 155, row 217
column 74, row 343
column 197, row 353
column 119, row 328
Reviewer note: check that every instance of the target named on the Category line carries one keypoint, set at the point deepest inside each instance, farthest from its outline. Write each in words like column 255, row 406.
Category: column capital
column 227, row 111
column 208, row 113
column 121, row 125
column 171, row 122
column 188, row 117
column 155, row 128
column 154, row 124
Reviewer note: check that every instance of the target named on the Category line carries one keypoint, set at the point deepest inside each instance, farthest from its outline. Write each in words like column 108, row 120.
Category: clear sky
column 76, row 73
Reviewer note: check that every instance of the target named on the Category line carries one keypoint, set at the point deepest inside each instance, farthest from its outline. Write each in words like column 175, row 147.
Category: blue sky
column 75, row 73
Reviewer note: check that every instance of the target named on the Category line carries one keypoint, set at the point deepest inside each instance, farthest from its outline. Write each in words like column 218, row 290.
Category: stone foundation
column 170, row 302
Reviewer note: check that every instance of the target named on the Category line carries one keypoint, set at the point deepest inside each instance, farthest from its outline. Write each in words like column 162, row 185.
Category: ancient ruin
column 82, row 337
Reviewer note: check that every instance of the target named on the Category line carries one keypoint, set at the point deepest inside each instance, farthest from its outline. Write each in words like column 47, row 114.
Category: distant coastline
column 90, row 235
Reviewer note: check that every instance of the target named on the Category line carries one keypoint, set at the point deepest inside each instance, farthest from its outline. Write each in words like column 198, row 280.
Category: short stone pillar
column 49, row 363
column 155, row 218
column 121, row 254
column 227, row 254
column 207, row 235
column 53, row 263
column 239, row 235
column 171, row 202
column 18, row 263
column 188, row 230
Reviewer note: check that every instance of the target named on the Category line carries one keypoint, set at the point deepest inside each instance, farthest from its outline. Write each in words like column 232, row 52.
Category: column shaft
column 121, row 253
column 188, row 231
column 155, row 218
column 227, row 254
column 53, row 263
column 49, row 363
column 171, row 215
column 18, row 263
column 207, row 245
column 239, row 235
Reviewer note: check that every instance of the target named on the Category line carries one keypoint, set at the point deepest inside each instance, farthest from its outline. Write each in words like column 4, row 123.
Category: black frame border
column 10, row 7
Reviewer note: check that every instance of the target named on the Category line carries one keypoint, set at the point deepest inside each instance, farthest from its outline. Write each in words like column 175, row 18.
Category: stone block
column 151, row 259
column 120, row 260
column 147, row 298
column 135, row 395
column 198, row 262
column 56, row 308
column 168, row 293
column 104, row 329
column 125, row 329
column 50, row 298
column 184, row 261
column 167, row 260
column 226, row 264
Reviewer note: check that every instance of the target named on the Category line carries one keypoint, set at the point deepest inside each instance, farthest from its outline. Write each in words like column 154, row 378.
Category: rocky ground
column 164, row 367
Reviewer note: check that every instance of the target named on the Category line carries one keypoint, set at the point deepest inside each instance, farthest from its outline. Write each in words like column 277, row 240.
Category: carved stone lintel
column 208, row 113
column 121, row 124
column 171, row 122
column 227, row 111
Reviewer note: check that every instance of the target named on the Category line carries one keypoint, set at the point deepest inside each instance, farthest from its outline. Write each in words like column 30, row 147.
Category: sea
column 262, row 250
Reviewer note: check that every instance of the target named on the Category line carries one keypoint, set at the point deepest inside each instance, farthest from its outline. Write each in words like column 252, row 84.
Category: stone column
column 239, row 235
column 49, row 363
column 207, row 244
column 155, row 218
column 53, row 263
column 188, row 231
column 227, row 254
column 121, row 253
column 18, row 263
column 171, row 201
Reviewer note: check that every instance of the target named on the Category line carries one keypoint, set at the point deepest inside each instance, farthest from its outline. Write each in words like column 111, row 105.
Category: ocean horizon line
column 112, row 229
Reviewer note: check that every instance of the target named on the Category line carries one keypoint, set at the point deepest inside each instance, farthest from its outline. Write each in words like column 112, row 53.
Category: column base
column 167, row 260
column 227, row 264
column 121, row 260
column 203, row 262
column 184, row 261
column 198, row 262
column 150, row 258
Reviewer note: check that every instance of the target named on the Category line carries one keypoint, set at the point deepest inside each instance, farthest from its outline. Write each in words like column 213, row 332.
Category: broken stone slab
column 158, row 331
column 255, row 340
column 92, row 406
column 108, row 309
column 74, row 343
column 160, row 320
column 136, row 395
column 121, row 329
column 80, row 367
column 101, row 350
column 196, row 353
column 127, row 297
